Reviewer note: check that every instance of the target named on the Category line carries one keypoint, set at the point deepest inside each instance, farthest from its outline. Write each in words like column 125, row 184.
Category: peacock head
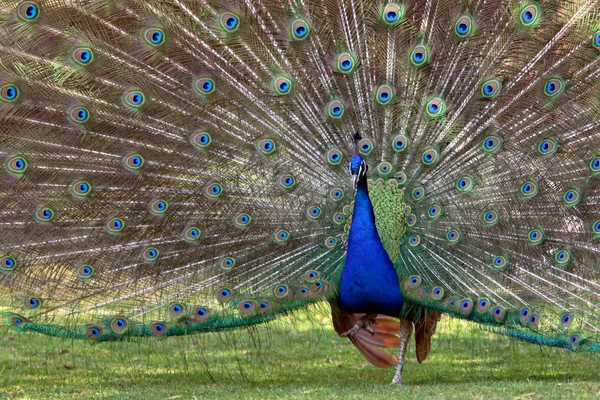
column 358, row 168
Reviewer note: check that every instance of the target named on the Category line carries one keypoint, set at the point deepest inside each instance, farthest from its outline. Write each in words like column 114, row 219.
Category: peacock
column 177, row 167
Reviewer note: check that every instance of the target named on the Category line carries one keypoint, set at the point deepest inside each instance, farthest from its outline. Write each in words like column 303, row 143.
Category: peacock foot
column 364, row 322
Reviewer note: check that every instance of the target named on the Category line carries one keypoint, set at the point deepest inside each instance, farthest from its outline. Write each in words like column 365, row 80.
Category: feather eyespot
column 464, row 26
column 229, row 22
column 93, row 332
column 418, row 193
column 85, row 272
column 213, row 191
column 465, row 184
column 384, row 95
column 299, row 29
column 574, row 340
column 392, row 14
column 134, row 99
column 200, row 314
column 572, row 197
column 119, row 324
column 401, row 178
column 204, row 86
column 500, row 263
column 465, row 307
column 79, row 115
column 311, row 276
column 414, row 240
column 247, row 307
column 28, row 10
column 313, row 212
column 554, row 87
column 338, row 218
column 563, row 258
column 430, row 156
column 334, row 156
column 224, row 294
column 281, row 291
column 435, row 107
column 336, row 194
column 419, row 55
column 453, row 236
column 227, row 263
column 158, row 207
column 530, row 15
column 9, row 93
column 158, row 329
column 492, row 144
column 437, row 293
column 596, row 40
column 491, row 218
column 44, row 214
column 133, row 162
column 400, row 143
column 154, row 36
column 535, row 236
column 282, row 85
column 596, row 229
column 411, row 220
column 8, row 263
column 80, row 189
column 483, row 305
column 345, row 63
column 434, row 212
column 498, row 313
column 266, row 146
column 335, row 109
column 365, row 146
column 192, row 234
column 595, row 166
column 32, row 302
column 412, row 282
column 491, row 88
column 281, row 236
column 150, row 255
column 330, row 242
column 16, row 165
column 286, row 182
column 16, row 321
column 384, row 168
column 566, row 320
column 242, row 220
column 176, row 310
column 82, row 55
column 529, row 189
column 201, row 140
column 115, row 226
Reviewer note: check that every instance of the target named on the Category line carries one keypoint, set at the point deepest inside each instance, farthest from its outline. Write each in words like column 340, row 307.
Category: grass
column 298, row 357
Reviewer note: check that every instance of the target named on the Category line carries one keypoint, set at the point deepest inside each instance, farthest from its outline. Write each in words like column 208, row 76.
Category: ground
column 299, row 357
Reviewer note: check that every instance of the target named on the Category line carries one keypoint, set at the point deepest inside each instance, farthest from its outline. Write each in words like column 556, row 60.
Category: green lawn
column 298, row 357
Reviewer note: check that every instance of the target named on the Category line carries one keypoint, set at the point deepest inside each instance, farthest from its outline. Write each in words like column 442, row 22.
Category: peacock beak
column 354, row 181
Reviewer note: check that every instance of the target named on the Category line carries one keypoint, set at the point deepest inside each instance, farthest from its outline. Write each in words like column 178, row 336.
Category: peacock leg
column 406, row 328
column 364, row 322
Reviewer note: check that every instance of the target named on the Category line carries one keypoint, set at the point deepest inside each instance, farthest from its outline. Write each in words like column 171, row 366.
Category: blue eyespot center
column 84, row 56
column 159, row 327
column 384, row 96
column 497, row 311
column 527, row 16
column 433, row 107
column 488, row 89
column 31, row 11
column 201, row 312
column 551, row 87
column 418, row 56
column 462, row 28
column 482, row 303
column 525, row 312
column 337, row 110
column 489, row 143
column 231, row 22
column 225, row 293
column 157, row 37
column 11, row 92
column 489, row 216
column 301, row 31
column 284, row 86
column 81, row 115
column 346, row 65
column 207, row 86
column 391, row 16
column 137, row 98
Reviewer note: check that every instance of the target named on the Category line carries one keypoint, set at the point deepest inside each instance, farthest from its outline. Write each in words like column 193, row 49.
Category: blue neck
column 369, row 281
